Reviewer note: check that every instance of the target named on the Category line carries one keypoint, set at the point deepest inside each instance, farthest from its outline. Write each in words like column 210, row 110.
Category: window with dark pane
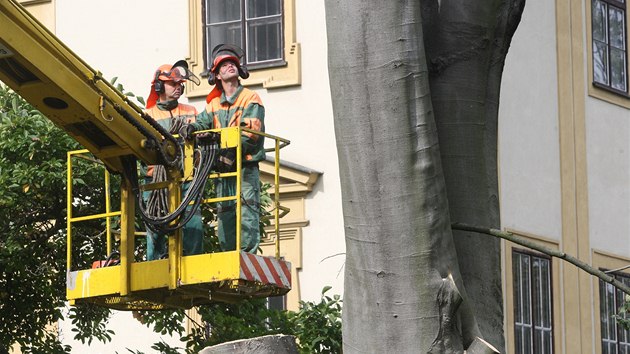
column 610, row 53
column 615, row 339
column 533, row 320
column 254, row 25
column 278, row 303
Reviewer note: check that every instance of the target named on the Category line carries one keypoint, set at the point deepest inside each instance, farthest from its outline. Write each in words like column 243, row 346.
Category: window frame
column 617, row 293
column 532, row 293
column 244, row 20
column 278, row 303
column 623, row 6
column 596, row 89
column 281, row 74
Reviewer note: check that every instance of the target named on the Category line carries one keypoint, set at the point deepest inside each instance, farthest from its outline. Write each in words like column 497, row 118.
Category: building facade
column 287, row 58
column 564, row 140
column 564, row 131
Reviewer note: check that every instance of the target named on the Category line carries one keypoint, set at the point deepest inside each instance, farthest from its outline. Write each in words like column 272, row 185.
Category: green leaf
column 326, row 288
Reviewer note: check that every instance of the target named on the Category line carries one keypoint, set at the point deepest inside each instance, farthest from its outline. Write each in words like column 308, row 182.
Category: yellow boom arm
column 46, row 73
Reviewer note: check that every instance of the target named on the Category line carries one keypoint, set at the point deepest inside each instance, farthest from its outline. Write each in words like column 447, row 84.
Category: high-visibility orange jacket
column 244, row 107
column 166, row 117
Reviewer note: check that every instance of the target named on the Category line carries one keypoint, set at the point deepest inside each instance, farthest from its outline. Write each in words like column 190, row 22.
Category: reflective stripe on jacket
column 244, row 107
column 164, row 118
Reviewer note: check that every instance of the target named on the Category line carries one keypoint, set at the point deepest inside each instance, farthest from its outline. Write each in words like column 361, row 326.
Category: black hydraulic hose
column 190, row 195
column 194, row 194
column 157, row 203
column 170, row 162
column 196, row 189
column 112, row 259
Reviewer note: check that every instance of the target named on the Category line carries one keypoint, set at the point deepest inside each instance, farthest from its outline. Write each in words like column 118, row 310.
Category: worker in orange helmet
column 230, row 104
column 163, row 106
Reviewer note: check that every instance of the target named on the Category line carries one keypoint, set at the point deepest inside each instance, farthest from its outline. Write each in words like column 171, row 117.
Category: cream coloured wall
column 528, row 127
column 129, row 333
column 125, row 39
column 43, row 10
column 303, row 114
column 608, row 159
column 608, row 156
column 582, row 142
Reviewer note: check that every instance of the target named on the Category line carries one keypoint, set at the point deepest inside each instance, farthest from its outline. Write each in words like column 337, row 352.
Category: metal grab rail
column 278, row 210
column 230, row 137
column 70, row 219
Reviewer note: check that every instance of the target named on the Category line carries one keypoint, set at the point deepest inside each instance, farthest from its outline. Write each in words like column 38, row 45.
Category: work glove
column 209, row 137
column 186, row 131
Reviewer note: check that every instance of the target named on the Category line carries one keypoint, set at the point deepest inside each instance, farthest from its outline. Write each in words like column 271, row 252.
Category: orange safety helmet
column 221, row 53
column 221, row 58
column 177, row 72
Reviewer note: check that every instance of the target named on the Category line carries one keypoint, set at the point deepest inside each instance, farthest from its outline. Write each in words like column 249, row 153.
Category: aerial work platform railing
column 46, row 73
column 180, row 281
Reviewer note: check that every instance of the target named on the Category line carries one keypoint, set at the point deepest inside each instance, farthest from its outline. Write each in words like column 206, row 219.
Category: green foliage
column 90, row 323
column 246, row 319
column 32, row 220
column 48, row 345
column 266, row 201
column 221, row 323
column 318, row 325
column 622, row 314
column 33, row 252
column 164, row 348
column 164, row 322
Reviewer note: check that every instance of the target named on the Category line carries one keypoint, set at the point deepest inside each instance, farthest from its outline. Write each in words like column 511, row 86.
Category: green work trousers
column 157, row 245
column 250, row 207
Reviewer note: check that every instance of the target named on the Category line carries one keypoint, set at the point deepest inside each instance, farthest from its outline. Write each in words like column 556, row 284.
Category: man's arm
column 203, row 121
column 253, row 118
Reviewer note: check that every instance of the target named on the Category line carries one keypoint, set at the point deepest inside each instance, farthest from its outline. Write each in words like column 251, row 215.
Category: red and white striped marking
column 266, row 270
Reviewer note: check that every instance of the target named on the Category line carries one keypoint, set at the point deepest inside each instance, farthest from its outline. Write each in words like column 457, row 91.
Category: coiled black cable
column 157, row 203
column 161, row 224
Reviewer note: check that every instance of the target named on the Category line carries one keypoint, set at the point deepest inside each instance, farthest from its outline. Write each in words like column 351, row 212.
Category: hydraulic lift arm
column 46, row 73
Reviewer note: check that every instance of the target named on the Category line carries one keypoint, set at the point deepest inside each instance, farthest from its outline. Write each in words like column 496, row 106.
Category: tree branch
column 548, row 251
column 480, row 346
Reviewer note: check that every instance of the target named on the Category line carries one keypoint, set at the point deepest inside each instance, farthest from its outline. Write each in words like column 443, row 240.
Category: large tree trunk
column 466, row 45
column 402, row 284
column 403, row 287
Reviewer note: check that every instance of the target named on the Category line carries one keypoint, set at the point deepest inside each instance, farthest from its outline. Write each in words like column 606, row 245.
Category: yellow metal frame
column 230, row 137
column 179, row 281
column 70, row 219
column 46, row 73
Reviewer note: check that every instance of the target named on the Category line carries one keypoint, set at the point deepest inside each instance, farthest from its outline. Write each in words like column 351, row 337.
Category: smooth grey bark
column 403, row 290
column 399, row 296
column 271, row 344
column 466, row 44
